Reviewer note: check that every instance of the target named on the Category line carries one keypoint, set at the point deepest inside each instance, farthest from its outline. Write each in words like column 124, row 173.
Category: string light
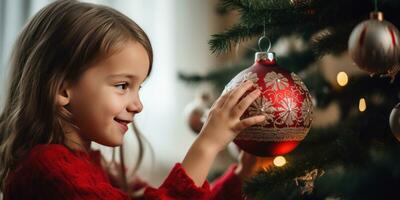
column 362, row 105
column 279, row 161
column 342, row 78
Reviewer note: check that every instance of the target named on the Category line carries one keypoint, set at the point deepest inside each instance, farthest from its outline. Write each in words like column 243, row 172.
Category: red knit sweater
column 54, row 172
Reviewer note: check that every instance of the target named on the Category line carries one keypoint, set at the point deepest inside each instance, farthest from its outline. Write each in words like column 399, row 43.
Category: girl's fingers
column 221, row 100
column 245, row 123
column 237, row 93
column 239, row 109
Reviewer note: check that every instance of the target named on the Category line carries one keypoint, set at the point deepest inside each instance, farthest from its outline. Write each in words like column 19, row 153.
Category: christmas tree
column 356, row 156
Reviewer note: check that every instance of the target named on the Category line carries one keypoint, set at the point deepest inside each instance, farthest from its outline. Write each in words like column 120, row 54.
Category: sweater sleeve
column 52, row 173
column 178, row 186
column 228, row 186
column 101, row 191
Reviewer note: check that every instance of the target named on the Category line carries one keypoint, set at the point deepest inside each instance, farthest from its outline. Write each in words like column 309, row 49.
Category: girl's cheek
column 114, row 104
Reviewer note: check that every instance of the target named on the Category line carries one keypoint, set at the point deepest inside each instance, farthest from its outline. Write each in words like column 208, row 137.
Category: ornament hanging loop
column 260, row 42
column 264, row 37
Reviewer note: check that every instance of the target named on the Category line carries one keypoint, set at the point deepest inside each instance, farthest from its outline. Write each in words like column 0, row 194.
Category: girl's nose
column 135, row 106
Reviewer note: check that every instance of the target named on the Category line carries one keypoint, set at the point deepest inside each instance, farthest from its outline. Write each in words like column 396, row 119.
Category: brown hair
column 56, row 45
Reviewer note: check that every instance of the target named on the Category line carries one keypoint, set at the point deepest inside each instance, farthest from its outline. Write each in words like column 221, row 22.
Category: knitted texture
column 228, row 186
column 52, row 171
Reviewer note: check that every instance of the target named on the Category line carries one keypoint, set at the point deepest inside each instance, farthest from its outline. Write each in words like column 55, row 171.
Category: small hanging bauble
column 285, row 102
column 394, row 121
column 374, row 45
column 197, row 112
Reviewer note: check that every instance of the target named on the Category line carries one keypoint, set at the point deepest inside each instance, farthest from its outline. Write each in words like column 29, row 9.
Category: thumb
column 245, row 123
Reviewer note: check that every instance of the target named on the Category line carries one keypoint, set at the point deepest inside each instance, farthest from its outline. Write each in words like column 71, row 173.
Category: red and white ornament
column 285, row 102
column 374, row 45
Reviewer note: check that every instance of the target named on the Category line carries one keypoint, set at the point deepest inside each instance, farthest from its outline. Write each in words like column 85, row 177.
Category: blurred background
column 351, row 151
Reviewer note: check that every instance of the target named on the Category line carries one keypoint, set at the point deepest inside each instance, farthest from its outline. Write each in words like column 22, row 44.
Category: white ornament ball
column 374, row 45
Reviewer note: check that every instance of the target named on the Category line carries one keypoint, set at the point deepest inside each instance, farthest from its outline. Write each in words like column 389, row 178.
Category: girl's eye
column 122, row 86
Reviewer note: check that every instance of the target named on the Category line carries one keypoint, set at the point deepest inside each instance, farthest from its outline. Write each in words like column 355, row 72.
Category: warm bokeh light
column 342, row 78
column 279, row 161
column 362, row 105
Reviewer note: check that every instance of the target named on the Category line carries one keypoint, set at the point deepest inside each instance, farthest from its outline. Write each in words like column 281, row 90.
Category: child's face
column 107, row 93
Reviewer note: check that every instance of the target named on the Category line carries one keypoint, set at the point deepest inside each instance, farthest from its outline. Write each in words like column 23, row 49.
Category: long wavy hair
column 56, row 45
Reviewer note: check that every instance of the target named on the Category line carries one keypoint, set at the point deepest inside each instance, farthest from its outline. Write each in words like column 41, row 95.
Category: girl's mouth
column 123, row 123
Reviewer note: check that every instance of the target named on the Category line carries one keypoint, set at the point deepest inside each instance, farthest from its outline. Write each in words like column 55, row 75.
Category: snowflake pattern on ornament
column 253, row 77
column 262, row 106
column 306, row 111
column 276, row 80
column 297, row 80
column 287, row 112
column 280, row 110
column 250, row 76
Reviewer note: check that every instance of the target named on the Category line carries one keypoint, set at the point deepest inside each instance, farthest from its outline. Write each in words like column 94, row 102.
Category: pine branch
column 222, row 43
column 232, row 4
column 381, row 175
column 332, row 40
column 324, row 150
column 252, row 5
column 309, row 16
column 252, row 24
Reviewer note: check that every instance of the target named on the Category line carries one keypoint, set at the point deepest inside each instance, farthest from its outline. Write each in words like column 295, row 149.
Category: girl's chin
column 112, row 143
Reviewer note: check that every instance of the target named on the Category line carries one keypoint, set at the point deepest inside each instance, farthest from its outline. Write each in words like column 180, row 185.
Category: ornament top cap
column 265, row 56
column 376, row 15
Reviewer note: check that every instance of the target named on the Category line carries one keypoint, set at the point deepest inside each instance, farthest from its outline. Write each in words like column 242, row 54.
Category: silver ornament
column 374, row 45
column 197, row 112
column 394, row 121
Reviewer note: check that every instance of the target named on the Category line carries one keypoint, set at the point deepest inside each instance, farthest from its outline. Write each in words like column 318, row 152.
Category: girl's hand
column 249, row 165
column 224, row 123
column 222, row 126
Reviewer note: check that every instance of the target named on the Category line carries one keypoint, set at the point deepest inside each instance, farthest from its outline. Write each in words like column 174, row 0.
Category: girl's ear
column 64, row 95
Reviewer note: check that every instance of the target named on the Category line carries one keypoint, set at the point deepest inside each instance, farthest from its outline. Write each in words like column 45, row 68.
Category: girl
column 76, row 72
